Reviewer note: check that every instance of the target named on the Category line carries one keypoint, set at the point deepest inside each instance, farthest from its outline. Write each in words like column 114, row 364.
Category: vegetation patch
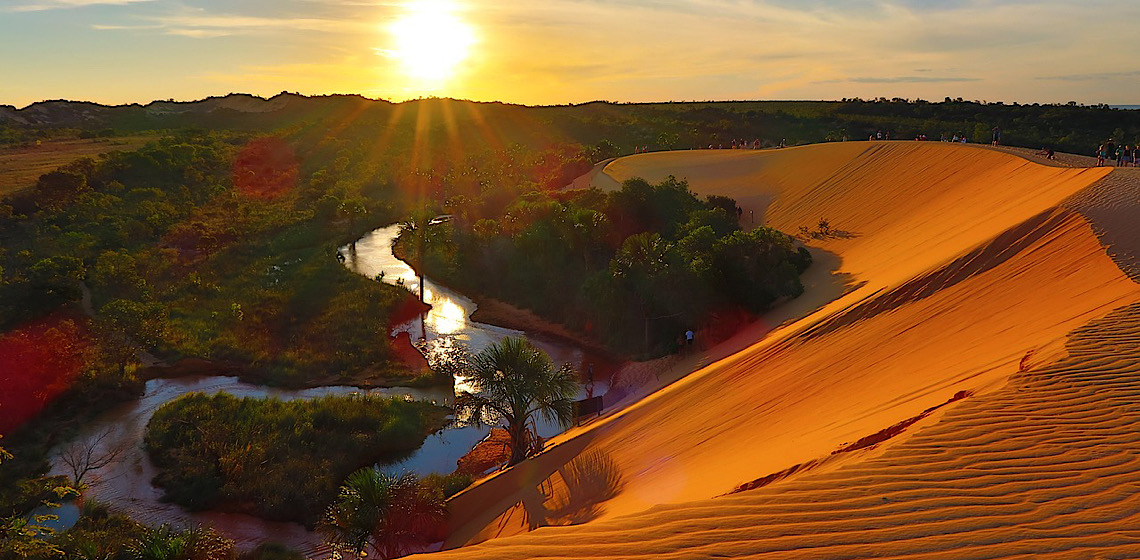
column 282, row 460
column 634, row 269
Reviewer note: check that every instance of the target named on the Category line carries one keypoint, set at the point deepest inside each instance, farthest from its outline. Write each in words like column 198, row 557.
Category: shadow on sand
column 575, row 493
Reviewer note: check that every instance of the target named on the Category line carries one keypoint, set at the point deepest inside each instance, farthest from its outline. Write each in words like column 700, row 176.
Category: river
column 126, row 486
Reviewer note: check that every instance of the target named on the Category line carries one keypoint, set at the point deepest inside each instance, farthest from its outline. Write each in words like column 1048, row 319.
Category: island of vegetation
column 281, row 460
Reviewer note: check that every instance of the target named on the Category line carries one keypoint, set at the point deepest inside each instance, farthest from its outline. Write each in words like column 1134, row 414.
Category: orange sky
column 563, row 51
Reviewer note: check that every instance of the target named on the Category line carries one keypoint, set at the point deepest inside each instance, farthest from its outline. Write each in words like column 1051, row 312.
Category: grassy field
column 21, row 166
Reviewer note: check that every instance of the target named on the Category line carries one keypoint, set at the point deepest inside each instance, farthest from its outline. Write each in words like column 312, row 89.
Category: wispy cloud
column 42, row 5
column 908, row 80
column 222, row 24
column 198, row 33
column 206, row 25
column 103, row 27
column 1093, row 76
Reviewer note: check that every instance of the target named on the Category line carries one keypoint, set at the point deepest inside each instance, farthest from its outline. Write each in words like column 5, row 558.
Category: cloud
column 102, row 27
column 42, row 5
column 1093, row 76
column 198, row 33
column 908, row 80
column 230, row 24
column 204, row 26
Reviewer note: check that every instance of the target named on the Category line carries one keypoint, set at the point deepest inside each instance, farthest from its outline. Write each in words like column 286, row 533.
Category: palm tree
column 394, row 515
column 515, row 381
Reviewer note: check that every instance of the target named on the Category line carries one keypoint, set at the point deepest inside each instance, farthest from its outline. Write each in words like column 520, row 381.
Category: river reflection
column 448, row 322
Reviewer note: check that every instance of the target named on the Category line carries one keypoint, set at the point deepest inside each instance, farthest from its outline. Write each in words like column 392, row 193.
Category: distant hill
column 158, row 114
column 658, row 126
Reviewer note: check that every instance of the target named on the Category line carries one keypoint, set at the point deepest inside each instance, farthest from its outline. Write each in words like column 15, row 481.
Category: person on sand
column 997, row 136
column 1101, row 154
column 689, row 338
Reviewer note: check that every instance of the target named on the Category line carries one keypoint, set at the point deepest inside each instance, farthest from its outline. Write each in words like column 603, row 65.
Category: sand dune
column 970, row 397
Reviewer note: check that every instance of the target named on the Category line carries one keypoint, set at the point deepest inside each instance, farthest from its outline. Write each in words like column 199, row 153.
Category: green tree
column 146, row 323
column 516, row 381
column 118, row 272
column 392, row 515
column 57, row 189
column 605, row 150
column 352, row 209
column 59, row 276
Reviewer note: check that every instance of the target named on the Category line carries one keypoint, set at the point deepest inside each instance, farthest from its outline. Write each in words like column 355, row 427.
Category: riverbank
column 500, row 313
column 408, row 368
column 413, row 372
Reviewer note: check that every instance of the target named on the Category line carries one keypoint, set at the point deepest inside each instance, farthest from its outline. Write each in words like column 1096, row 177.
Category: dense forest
column 1067, row 127
column 632, row 269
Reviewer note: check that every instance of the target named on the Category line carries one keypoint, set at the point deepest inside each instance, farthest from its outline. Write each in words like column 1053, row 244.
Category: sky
column 543, row 52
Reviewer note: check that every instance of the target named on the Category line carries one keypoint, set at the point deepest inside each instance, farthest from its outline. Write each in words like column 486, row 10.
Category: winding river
column 126, row 485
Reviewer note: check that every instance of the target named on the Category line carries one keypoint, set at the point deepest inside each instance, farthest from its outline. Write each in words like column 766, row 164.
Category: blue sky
column 563, row 51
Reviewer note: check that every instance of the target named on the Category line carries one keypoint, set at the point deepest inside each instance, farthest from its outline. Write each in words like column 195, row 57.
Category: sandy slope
column 973, row 268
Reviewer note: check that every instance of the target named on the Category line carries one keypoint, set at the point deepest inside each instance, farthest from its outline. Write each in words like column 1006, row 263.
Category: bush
column 450, row 484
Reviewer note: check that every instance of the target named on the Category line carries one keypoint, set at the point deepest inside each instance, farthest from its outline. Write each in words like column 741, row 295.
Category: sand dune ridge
column 978, row 271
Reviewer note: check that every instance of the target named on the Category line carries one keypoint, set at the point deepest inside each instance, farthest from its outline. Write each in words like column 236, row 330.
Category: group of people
column 1123, row 155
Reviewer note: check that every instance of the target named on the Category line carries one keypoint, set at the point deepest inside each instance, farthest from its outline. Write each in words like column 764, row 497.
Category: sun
column 431, row 40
